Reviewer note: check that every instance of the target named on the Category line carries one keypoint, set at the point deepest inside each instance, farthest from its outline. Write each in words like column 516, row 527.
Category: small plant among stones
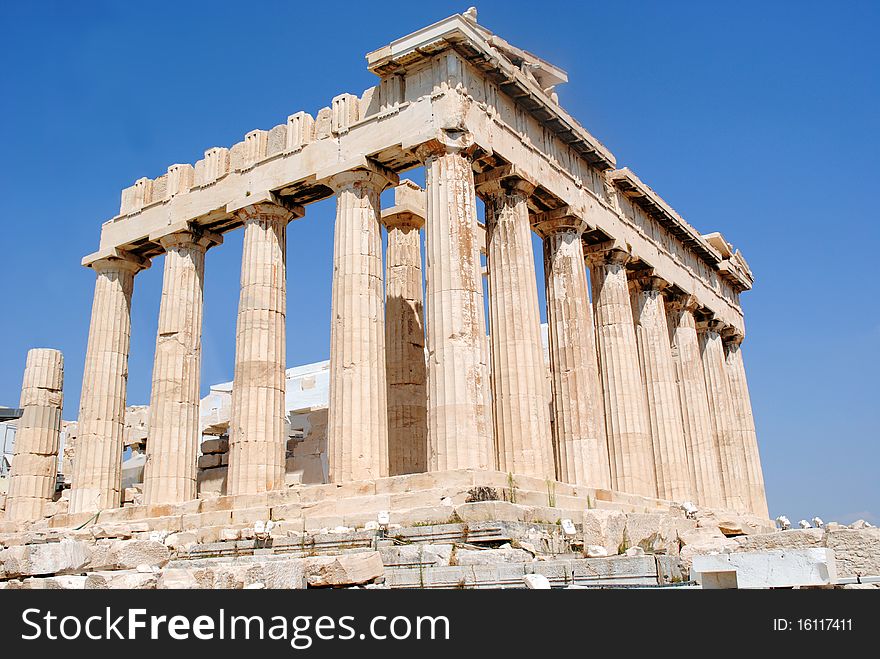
column 476, row 494
column 510, row 493
column 621, row 549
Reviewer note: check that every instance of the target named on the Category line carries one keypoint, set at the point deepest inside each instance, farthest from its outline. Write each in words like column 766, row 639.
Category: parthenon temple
column 432, row 382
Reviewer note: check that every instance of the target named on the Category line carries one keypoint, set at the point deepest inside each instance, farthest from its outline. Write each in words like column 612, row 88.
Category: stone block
column 282, row 497
column 423, row 516
column 857, row 551
column 536, row 582
column 415, row 556
column 120, row 580
column 199, row 520
column 129, row 554
column 47, row 558
column 284, row 574
column 618, row 570
column 321, row 523
column 604, row 528
column 176, row 579
column 319, row 508
column 362, row 504
column 791, row 539
column 287, row 511
column 656, row 533
column 219, row 445
column 181, row 541
column 170, row 524
column 491, row 556
column 766, row 569
column 489, row 511
column 65, row 582
column 210, row 460
column 250, row 515
column 212, row 481
column 350, row 569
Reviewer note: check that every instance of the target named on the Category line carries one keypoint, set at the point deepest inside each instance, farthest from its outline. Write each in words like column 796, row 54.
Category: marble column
column 97, row 468
column 406, row 370
column 731, row 456
column 661, row 389
column 459, row 434
column 357, row 435
column 257, row 437
column 702, row 451
column 174, row 433
column 35, row 462
column 518, row 375
column 744, row 422
column 578, row 409
column 629, row 437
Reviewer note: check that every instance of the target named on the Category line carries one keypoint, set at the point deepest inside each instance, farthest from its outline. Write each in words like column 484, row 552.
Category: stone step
column 617, row 571
column 355, row 503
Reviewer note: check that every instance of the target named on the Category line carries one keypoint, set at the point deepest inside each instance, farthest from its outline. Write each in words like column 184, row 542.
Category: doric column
column 405, row 334
column 518, row 375
column 578, row 409
column 97, row 468
column 731, row 456
column 357, row 435
column 172, row 449
column 658, row 375
column 459, row 435
column 702, row 450
column 35, row 463
column 629, row 439
column 744, row 421
column 257, row 440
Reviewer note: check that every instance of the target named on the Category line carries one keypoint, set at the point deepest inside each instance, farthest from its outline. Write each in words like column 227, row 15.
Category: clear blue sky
column 759, row 120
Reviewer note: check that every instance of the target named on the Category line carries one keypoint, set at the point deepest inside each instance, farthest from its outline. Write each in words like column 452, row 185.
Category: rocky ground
column 481, row 545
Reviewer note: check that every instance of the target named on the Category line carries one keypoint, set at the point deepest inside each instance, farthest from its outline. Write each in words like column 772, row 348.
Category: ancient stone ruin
column 463, row 450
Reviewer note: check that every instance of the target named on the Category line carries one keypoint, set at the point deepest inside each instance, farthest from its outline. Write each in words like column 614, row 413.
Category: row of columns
column 642, row 401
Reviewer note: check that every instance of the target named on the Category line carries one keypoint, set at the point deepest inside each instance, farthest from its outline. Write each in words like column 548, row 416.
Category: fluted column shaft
column 172, row 449
column 629, row 440
column 257, row 439
column 581, row 447
column 702, row 451
column 405, row 346
column 35, row 463
column 734, row 477
column 97, row 468
column 518, row 375
column 661, row 390
column 358, row 415
column 744, row 424
column 459, row 434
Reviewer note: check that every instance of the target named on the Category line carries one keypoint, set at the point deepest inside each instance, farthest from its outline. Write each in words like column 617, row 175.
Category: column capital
column 402, row 219
column 682, row 302
column 445, row 143
column 264, row 205
column 409, row 207
column 359, row 169
column 360, row 178
column 559, row 220
column 604, row 254
column 649, row 282
column 116, row 259
column 190, row 236
column 504, row 180
column 710, row 324
column 732, row 336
